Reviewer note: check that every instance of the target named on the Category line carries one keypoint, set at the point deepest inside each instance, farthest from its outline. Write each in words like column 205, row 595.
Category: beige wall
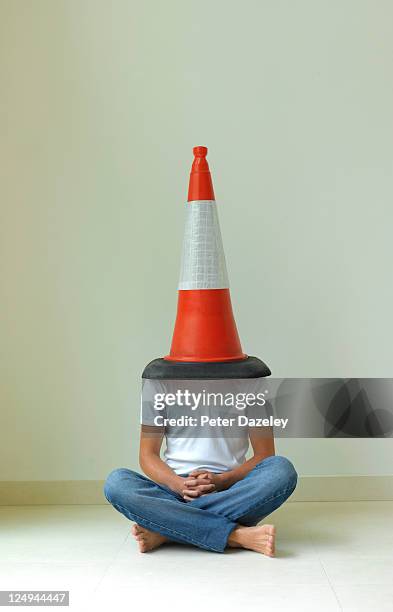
column 101, row 103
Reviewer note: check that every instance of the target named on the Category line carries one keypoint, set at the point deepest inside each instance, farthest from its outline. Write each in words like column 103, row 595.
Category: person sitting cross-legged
column 205, row 493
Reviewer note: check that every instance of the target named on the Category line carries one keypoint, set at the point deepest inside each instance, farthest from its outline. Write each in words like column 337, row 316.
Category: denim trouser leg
column 161, row 510
column 262, row 491
column 208, row 520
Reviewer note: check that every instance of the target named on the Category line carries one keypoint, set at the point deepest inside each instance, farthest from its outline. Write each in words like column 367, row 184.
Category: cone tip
column 200, row 186
column 200, row 151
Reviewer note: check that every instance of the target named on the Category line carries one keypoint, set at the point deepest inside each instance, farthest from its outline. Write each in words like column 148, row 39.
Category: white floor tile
column 59, row 549
column 302, row 598
column 132, row 567
column 363, row 598
column 60, row 533
column 344, row 529
column 51, row 576
column 80, row 580
column 359, row 571
column 100, row 522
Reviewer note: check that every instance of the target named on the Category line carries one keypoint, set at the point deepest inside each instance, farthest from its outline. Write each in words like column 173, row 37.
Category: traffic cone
column 205, row 328
column 205, row 342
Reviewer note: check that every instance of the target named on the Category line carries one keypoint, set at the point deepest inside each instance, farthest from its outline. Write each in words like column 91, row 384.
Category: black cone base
column 251, row 367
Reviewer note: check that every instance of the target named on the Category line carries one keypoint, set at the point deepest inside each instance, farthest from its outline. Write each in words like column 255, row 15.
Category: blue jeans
column 206, row 521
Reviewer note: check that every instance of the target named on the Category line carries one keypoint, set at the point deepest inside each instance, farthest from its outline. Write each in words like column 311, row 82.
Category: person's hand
column 178, row 485
column 200, row 482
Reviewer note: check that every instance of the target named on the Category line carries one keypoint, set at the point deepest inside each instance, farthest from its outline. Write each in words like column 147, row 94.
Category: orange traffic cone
column 205, row 328
column 205, row 342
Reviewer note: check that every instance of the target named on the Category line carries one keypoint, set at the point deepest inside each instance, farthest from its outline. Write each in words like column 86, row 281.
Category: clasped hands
column 198, row 483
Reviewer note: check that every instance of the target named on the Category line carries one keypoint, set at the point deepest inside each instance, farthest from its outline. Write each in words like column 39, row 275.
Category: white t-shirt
column 184, row 455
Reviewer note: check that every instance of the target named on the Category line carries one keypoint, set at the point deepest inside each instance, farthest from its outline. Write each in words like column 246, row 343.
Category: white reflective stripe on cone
column 203, row 261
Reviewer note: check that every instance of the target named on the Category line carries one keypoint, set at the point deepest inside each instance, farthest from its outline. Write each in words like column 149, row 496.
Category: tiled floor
column 330, row 556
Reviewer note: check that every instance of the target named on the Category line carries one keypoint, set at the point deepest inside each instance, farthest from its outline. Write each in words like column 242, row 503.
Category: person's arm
column 152, row 464
column 262, row 443
column 156, row 469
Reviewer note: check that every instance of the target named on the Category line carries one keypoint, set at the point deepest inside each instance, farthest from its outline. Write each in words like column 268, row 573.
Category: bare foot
column 147, row 540
column 261, row 539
